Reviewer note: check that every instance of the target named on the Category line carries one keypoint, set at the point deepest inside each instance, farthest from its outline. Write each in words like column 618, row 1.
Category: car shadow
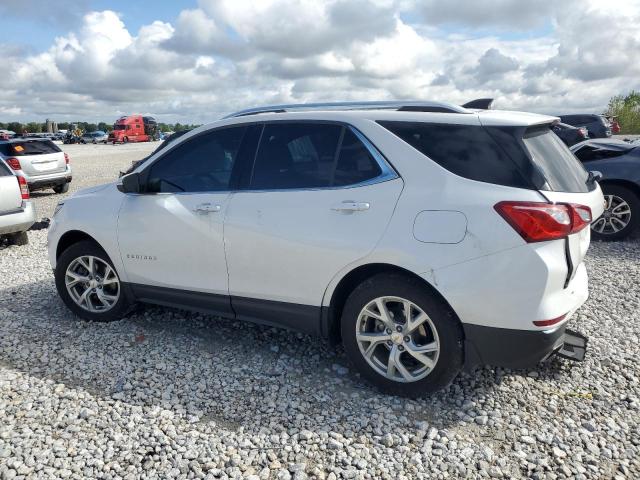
column 235, row 374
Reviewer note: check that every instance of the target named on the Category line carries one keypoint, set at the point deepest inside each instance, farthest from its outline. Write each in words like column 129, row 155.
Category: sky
column 194, row 61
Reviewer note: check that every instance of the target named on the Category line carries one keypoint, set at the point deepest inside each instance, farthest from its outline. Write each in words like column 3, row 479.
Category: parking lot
column 166, row 393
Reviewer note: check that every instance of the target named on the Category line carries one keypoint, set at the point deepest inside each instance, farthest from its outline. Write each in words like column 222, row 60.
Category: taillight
column 539, row 222
column 66, row 158
column 14, row 163
column 24, row 188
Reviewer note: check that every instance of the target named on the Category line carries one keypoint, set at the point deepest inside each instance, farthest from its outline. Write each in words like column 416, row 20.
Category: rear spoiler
column 479, row 103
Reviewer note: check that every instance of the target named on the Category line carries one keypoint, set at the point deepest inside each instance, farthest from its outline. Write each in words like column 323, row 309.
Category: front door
column 317, row 201
column 171, row 237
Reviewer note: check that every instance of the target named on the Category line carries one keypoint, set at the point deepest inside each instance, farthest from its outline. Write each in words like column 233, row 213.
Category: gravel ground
column 165, row 393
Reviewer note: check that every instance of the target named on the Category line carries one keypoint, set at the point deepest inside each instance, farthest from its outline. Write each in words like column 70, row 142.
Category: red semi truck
column 134, row 128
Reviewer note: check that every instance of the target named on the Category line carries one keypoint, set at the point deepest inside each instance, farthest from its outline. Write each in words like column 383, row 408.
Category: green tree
column 15, row 127
column 627, row 110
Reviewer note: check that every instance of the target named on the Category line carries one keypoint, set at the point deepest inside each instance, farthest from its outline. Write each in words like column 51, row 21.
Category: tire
column 87, row 248
column 604, row 227
column 64, row 188
column 447, row 332
column 125, row 140
column 18, row 239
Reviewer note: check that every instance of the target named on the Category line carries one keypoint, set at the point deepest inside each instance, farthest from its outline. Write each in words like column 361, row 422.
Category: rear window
column 33, row 147
column 561, row 169
column 466, row 150
column 4, row 170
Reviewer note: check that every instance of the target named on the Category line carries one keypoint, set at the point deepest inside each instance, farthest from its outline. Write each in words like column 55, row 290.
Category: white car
column 425, row 236
column 17, row 212
column 39, row 161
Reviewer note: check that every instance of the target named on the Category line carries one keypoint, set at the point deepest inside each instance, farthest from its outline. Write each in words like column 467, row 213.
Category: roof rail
column 410, row 106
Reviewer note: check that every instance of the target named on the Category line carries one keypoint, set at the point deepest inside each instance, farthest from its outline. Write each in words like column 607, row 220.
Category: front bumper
column 18, row 220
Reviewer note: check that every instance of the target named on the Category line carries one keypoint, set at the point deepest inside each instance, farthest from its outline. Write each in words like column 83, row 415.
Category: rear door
column 10, row 198
column 317, row 200
column 38, row 157
column 566, row 182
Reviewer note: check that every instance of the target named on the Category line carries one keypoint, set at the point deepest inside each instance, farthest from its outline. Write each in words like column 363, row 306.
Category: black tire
column 18, row 239
column 88, row 247
column 63, row 188
column 451, row 354
column 125, row 140
column 632, row 200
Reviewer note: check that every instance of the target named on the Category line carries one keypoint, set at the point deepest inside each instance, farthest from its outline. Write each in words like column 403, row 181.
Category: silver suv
column 17, row 213
column 39, row 161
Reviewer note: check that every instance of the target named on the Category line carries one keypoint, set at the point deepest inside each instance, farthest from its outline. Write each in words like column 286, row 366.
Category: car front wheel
column 88, row 283
column 400, row 336
column 621, row 214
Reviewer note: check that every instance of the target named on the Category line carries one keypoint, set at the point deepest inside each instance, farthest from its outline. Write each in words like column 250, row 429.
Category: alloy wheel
column 397, row 339
column 616, row 216
column 92, row 284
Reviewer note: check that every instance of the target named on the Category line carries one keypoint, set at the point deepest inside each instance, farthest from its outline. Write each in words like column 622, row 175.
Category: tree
column 15, row 127
column 627, row 110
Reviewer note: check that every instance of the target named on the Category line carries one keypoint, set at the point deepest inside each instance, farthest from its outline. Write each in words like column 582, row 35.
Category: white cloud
column 230, row 54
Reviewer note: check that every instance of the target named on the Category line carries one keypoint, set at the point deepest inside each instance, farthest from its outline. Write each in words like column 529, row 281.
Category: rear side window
column 200, row 164
column 32, row 147
column 311, row 155
column 561, row 169
column 466, row 150
column 296, row 156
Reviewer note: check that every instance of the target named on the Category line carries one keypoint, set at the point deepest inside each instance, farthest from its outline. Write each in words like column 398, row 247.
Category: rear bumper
column 37, row 182
column 19, row 220
column 502, row 347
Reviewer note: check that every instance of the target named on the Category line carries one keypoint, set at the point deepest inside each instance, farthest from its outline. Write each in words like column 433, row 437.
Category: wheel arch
column 331, row 314
column 72, row 237
column 634, row 187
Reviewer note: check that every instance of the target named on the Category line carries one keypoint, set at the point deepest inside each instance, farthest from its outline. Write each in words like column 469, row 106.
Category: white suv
column 427, row 237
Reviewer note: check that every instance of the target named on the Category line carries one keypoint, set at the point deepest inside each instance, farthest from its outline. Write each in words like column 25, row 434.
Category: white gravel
column 169, row 394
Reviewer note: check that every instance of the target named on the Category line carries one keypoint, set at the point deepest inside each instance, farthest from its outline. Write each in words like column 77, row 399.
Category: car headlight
column 58, row 207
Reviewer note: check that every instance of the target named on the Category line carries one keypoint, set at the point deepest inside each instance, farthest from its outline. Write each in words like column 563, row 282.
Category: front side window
column 310, row 155
column 201, row 164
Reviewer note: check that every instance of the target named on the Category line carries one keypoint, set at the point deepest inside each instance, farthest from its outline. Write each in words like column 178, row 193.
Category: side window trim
column 387, row 170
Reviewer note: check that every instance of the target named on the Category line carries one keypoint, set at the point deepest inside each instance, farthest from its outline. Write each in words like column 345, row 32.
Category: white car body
column 16, row 214
column 279, row 256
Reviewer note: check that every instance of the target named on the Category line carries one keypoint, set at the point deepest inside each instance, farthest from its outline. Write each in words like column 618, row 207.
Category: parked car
column 404, row 230
column 17, row 213
column 596, row 125
column 569, row 134
column 95, row 137
column 39, row 161
column 619, row 163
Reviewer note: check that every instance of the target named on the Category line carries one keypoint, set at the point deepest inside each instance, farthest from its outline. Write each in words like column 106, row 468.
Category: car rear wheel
column 621, row 214
column 64, row 188
column 18, row 238
column 400, row 336
column 88, row 283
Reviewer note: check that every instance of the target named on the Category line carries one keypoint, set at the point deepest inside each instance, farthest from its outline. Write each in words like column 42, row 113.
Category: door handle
column 350, row 206
column 204, row 208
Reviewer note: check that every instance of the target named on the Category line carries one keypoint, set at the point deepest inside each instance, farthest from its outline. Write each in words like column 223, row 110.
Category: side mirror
column 130, row 183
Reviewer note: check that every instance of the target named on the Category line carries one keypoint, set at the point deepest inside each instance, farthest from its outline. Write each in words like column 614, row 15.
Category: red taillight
column 580, row 217
column 14, row 163
column 66, row 158
column 24, row 188
column 548, row 323
column 539, row 222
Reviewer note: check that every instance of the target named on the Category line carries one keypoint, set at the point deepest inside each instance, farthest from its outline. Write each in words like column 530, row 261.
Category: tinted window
column 298, row 155
column 4, row 170
column 355, row 163
column 589, row 153
column 201, row 164
column 561, row 168
column 466, row 150
column 32, row 147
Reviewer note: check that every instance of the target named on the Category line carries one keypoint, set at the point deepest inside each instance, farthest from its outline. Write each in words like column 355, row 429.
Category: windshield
column 119, row 127
column 561, row 169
